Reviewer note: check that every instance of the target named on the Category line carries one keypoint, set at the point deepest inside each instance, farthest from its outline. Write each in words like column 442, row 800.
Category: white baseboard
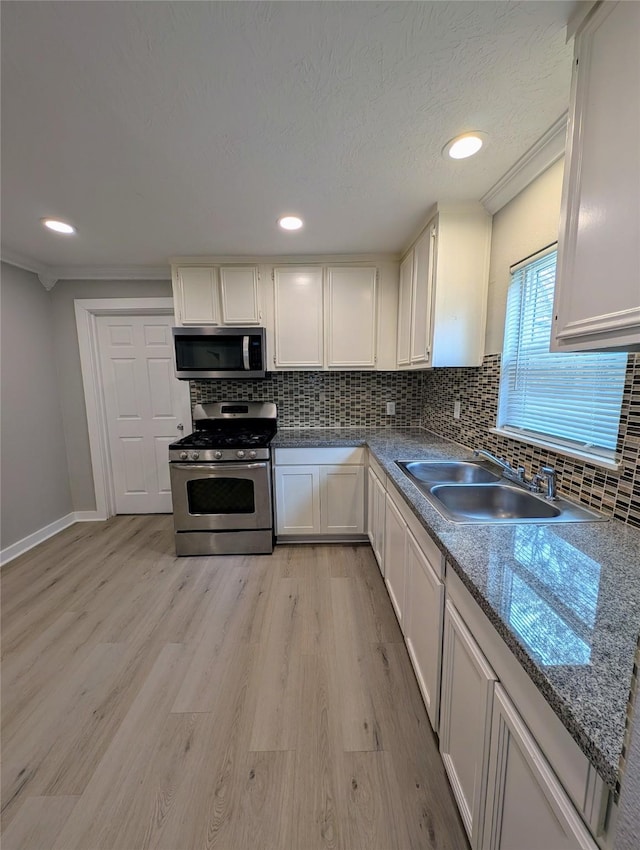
column 31, row 540
column 89, row 516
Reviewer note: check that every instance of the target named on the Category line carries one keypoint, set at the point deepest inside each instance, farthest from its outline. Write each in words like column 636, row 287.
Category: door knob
column 180, row 426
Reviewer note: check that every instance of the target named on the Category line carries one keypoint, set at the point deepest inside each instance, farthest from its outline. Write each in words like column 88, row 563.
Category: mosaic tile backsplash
column 358, row 399
column 326, row 399
column 614, row 493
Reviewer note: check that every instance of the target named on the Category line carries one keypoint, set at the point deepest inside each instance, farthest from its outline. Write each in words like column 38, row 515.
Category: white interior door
column 144, row 405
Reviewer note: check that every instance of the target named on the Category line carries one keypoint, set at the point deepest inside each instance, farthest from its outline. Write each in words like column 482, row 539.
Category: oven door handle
column 245, row 352
column 215, row 467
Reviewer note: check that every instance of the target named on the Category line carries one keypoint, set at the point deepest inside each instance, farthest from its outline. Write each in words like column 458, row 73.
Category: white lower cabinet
column 298, row 499
column 376, row 510
column 395, row 536
column 342, row 499
column 323, row 497
column 519, row 779
column 526, row 807
column 424, row 610
column 465, row 717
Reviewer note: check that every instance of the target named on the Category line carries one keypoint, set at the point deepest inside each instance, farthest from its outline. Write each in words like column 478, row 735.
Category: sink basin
column 492, row 503
column 447, row 472
column 478, row 503
column 469, row 492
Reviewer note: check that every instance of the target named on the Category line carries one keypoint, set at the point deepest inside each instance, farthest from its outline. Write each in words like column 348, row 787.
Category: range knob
column 195, row 455
column 218, row 455
column 240, row 453
column 252, row 453
column 184, row 455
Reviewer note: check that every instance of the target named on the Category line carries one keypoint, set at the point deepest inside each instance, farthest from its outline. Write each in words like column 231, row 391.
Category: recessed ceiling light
column 465, row 145
column 58, row 226
column 290, row 222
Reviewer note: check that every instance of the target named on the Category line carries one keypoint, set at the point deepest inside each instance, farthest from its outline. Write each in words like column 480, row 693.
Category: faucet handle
column 548, row 474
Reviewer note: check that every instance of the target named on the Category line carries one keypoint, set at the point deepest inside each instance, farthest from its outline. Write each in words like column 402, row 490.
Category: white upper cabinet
column 421, row 298
column 597, row 301
column 239, row 295
column 404, row 310
column 351, row 317
column 442, row 312
column 325, row 318
column 216, row 295
column 195, row 294
column 299, row 327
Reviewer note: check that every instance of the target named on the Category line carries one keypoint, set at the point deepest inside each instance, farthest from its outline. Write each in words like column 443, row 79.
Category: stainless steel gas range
column 221, row 480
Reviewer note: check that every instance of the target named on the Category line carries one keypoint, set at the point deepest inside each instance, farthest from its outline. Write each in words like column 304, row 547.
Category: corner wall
column 35, row 479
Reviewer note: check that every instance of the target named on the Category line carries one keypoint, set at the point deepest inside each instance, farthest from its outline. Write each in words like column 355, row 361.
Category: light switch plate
column 391, row 408
column 456, row 409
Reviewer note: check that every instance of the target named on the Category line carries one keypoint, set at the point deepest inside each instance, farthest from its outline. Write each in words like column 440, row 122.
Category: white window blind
column 570, row 400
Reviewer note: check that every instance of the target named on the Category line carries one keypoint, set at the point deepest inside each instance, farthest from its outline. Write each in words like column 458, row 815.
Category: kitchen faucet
column 507, row 470
column 546, row 474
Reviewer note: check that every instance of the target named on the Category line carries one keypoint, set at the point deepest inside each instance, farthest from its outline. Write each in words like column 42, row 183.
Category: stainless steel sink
column 492, row 503
column 468, row 492
column 449, row 472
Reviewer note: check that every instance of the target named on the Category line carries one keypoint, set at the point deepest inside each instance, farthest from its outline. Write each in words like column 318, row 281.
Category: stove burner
column 240, row 438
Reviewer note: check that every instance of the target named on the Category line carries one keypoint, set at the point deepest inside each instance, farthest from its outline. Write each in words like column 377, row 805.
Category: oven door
column 221, row 496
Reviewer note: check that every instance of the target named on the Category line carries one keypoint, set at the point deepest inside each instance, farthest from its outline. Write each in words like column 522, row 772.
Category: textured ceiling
column 181, row 128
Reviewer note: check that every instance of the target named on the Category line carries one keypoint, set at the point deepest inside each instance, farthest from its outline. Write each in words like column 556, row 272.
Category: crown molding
column 548, row 149
column 113, row 272
column 50, row 275
column 281, row 259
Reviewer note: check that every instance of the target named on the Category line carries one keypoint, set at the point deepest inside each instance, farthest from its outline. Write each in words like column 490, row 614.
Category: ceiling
column 187, row 128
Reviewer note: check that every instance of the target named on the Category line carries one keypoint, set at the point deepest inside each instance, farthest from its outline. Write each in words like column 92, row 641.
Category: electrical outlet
column 456, row 409
column 391, row 408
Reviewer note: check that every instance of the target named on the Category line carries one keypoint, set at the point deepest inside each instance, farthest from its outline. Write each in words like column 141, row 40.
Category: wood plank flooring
column 228, row 703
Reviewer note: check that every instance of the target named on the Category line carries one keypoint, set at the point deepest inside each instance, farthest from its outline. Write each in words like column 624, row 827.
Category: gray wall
column 526, row 224
column 34, row 482
column 65, row 333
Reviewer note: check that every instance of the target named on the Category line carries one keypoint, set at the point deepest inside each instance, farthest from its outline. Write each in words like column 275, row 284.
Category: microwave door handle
column 245, row 353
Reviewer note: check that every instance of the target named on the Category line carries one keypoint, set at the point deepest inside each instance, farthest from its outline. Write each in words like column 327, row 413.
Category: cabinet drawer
column 334, row 455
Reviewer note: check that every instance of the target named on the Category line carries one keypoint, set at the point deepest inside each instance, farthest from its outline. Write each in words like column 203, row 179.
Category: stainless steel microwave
column 212, row 352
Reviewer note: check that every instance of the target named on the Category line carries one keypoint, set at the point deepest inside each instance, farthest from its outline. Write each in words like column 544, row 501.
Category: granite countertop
column 564, row 597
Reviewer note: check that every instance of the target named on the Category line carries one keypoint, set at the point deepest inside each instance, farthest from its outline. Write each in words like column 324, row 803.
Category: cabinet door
column 239, row 295
column 376, row 516
column 597, row 304
column 423, row 625
column 197, row 289
column 465, row 717
column 404, row 311
column 527, row 808
column 380, row 507
column 422, row 298
column 372, row 528
column 342, row 499
column 351, row 320
column 297, row 499
column 395, row 556
column 298, row 318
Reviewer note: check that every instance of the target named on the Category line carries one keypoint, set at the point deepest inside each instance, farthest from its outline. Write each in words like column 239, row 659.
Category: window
column 567, row 401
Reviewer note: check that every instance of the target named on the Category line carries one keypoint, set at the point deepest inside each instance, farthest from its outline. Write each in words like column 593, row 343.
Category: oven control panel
column 218, row 455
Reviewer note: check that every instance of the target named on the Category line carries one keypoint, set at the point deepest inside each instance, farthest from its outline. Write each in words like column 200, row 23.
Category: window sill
column 585, row 457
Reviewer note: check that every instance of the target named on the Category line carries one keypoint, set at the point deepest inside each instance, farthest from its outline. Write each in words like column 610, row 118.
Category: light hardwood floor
column 237, row 703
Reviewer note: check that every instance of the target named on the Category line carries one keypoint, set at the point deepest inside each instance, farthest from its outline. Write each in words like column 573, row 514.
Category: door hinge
column 273, row 275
